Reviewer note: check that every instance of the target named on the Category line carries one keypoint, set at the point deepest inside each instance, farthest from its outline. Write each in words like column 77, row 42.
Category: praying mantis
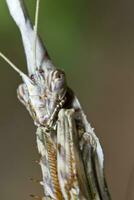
column 72, row 160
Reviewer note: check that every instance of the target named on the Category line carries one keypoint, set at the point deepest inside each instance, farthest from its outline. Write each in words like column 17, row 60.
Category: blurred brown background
column 93, row 41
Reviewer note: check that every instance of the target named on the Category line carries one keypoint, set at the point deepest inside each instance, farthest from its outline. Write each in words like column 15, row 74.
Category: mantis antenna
column 36, row 28
column 12, row 65
column 24, row 76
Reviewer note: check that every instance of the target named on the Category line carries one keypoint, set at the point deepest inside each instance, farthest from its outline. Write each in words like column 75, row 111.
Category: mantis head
column 42, row 94
column 43, row 89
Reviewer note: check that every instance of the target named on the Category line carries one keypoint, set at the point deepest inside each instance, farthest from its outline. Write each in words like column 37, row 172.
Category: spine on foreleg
column 47, row 149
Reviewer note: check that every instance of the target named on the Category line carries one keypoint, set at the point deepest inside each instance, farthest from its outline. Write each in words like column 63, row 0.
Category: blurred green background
column 93, row 41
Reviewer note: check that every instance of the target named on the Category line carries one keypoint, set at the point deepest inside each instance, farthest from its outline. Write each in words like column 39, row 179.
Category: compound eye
column 59, row 74
column 32, row 77
column 58, row 80
column 41, row 71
